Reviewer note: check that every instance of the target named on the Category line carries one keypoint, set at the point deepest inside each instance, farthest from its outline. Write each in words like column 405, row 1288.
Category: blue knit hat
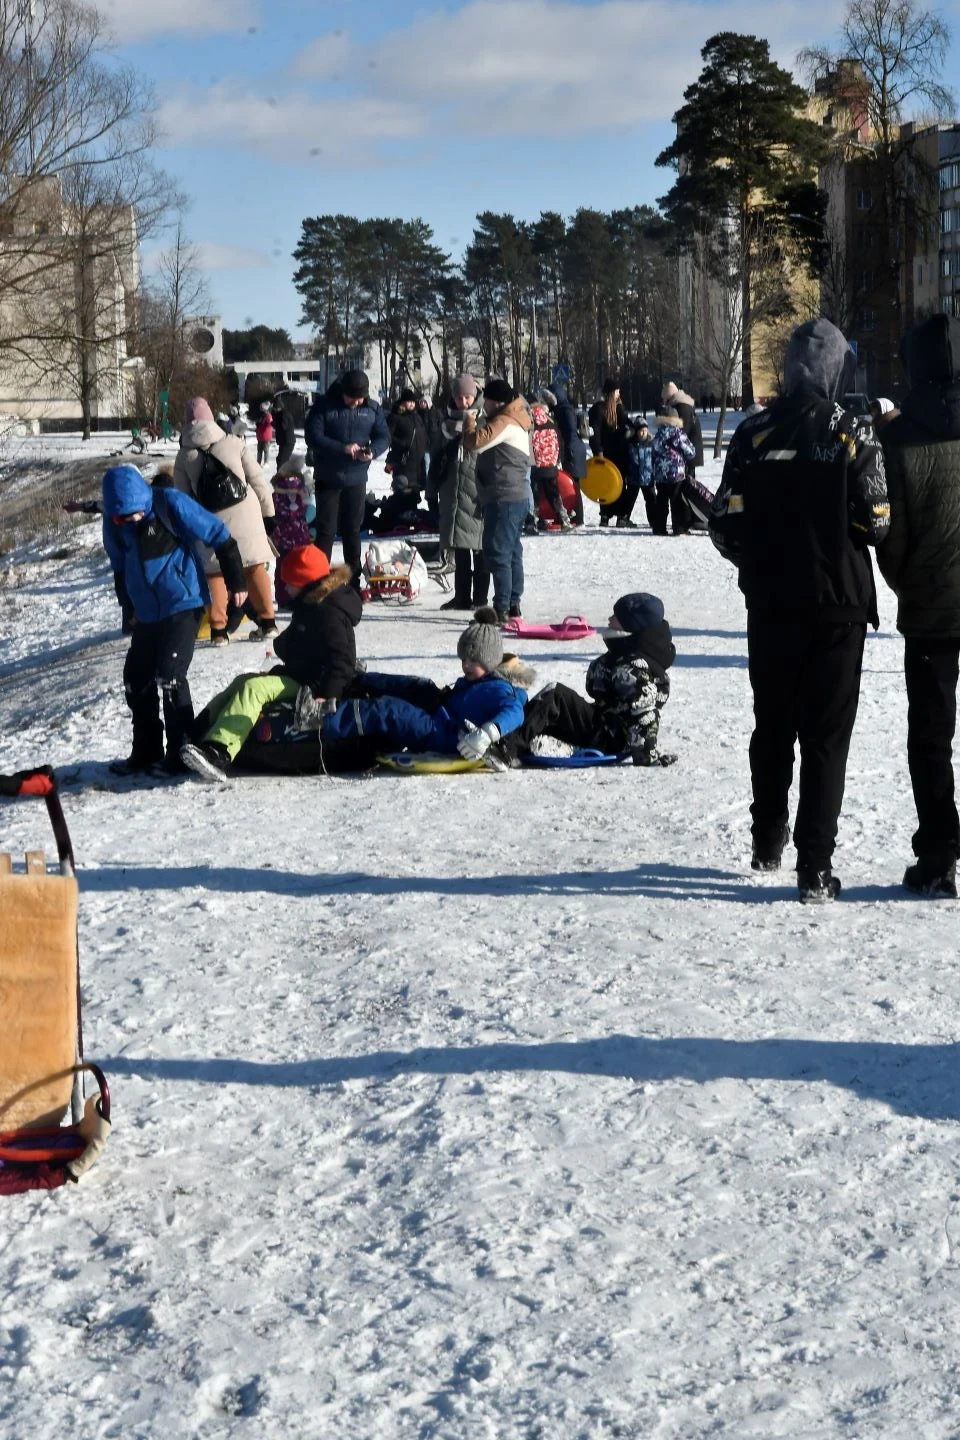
column 638, row 612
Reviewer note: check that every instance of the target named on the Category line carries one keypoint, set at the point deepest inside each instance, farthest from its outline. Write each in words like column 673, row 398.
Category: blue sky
column 277, row 109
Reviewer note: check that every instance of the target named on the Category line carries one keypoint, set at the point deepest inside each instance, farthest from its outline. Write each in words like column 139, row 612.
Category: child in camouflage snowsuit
column 628, row 688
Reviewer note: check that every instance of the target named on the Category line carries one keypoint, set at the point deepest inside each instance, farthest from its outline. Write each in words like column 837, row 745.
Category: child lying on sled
column 628, row 687
column 404, row 712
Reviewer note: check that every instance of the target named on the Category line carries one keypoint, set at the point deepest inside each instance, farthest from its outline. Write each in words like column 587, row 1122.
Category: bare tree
column 77, row 191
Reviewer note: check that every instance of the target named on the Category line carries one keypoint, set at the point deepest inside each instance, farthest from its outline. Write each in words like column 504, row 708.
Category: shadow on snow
column 913, row 1080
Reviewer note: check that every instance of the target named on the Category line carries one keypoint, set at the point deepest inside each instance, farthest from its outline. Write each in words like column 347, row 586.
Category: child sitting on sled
column 628, row 688
column 317, row 649
column 404, row 712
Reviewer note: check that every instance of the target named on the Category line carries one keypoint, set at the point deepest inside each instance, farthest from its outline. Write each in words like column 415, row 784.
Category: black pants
column 805, row 675
column 562, row 713
column 340, row 510
column 285, row 450
column 159, row 656
column 667, row 500
column 931, row 669
column 471, row 577
column 544, row 482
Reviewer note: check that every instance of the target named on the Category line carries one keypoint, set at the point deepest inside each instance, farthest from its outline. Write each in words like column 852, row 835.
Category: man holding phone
column 345, row 430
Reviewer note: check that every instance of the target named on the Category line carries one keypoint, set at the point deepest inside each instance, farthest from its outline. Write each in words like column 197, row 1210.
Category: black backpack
column 217, row 486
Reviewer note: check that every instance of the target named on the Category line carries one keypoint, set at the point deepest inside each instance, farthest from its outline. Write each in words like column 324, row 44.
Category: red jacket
column 265, row 429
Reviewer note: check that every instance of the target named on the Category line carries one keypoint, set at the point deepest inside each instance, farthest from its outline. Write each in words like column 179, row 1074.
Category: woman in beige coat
column 245, row 520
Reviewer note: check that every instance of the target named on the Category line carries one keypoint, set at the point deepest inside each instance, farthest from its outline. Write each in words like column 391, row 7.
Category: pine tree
column 742, row 146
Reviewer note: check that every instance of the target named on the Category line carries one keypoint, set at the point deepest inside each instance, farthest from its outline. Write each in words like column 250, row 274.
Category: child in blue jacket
column 151, row 536
column 405, row 712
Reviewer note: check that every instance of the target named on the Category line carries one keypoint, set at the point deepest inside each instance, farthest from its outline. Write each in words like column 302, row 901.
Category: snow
column 487, row 1106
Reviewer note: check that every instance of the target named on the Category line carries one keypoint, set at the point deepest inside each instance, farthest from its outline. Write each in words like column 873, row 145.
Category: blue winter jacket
column 491, row 699
column 331, row 424
column 641, row 463
column 155, row 560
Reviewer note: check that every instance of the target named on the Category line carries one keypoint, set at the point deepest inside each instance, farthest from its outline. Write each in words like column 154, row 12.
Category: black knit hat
column 407, row 397
column 355, row 384
column 499, row 391
column 610, row 384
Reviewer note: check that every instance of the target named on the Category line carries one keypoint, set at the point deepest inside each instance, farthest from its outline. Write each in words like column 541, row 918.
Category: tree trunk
column 746, row 324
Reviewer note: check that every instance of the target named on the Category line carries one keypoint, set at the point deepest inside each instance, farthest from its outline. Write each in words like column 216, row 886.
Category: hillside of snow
column 486, row 1106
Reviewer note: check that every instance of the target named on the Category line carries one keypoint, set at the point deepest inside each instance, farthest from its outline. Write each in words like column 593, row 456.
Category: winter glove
column 473, row 742
column 269, row 524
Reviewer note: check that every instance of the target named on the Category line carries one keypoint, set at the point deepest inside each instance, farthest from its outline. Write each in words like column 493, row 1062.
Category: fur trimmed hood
column 338, row 579
column 516, row 672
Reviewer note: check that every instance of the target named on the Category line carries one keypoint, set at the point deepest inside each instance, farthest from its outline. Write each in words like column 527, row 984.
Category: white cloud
column 293, row 127
column 538, row 67
column 135, row 20
column 521, row 68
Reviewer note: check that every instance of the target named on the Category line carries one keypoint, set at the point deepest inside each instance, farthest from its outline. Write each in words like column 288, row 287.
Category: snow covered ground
column 488, row 1106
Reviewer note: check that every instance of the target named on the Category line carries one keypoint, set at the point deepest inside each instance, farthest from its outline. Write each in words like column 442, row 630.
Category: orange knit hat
column 303, row 566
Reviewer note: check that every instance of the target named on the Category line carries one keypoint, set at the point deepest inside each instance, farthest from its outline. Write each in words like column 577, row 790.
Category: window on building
column 866, row 319
column 864, row 199
column 920, row 273
column 945, row 265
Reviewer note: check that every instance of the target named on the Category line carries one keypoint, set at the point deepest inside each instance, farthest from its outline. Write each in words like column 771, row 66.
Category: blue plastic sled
column 579, row 760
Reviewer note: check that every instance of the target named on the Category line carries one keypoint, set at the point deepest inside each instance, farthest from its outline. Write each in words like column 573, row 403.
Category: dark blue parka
column 573, row 451
column 330, row 426
column 155, row 561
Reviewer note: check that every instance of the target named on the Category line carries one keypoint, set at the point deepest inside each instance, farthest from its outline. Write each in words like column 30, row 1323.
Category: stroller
column 42, row 1069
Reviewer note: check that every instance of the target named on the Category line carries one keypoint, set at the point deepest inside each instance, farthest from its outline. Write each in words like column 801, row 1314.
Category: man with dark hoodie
column 920, row 561
column 345, row 430
column 802, row 496
column 153, row 537
column 628, row 688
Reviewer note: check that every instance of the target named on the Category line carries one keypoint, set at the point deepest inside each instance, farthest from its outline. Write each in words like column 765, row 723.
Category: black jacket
column 802, row 496
column 684, row 407
column 284, row 430
column 318, row 647
column 920, row 558
column 610, row 441
column 408, row 446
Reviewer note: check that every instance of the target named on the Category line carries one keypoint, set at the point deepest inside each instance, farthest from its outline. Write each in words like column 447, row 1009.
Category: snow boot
column 264, row 630
column 932, row 875
column 136, row 764
column 767, row 856
column 210, row 761
column 816, row 887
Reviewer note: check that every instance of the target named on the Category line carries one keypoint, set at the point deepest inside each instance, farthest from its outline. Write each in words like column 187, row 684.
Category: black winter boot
column 933, row 875
column 767, row 855
column 816, row 887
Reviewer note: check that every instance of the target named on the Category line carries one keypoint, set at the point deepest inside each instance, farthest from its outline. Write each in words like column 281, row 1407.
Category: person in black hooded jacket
column 628, row 688
column 920, row 561
column 803, row 494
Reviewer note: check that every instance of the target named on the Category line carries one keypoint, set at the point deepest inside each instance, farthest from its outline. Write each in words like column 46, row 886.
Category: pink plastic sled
column 571, row 627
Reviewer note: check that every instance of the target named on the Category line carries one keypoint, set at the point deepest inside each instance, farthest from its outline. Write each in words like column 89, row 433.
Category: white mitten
column 474, row 741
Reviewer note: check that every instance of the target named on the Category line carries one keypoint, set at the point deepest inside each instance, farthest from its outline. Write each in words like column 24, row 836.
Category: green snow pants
column 237, row 709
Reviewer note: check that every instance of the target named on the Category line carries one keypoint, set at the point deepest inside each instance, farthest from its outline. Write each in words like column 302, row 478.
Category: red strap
column 37, row 784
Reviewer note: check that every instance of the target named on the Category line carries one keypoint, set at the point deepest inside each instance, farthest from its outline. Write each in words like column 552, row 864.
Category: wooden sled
column 42, row 1068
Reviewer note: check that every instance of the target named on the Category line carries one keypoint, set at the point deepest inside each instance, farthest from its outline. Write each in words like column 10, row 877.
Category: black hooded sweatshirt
column 804, row 493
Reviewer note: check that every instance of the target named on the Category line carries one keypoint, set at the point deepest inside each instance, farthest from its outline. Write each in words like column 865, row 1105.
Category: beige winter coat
column 244, row 520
